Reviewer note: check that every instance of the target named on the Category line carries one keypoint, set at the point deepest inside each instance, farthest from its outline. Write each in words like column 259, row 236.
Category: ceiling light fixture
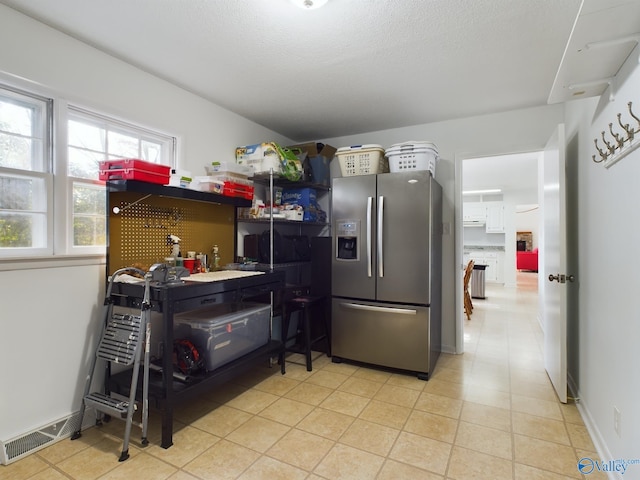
column 482, row 192
column 309, row 4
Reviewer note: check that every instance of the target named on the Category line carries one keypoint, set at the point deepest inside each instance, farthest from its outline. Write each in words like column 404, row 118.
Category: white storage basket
column 361, row 160
column 412, row 156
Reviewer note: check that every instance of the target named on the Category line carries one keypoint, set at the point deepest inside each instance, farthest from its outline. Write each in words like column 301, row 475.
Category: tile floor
column 488, row 414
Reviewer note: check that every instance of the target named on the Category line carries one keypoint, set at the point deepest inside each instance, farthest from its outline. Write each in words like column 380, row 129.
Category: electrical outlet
column 617, row 419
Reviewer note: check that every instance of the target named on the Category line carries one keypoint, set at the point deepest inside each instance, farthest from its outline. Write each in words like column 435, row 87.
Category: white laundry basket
column 414, row 156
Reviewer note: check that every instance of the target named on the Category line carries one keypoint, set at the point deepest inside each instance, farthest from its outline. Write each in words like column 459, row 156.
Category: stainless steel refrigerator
column 386, row 270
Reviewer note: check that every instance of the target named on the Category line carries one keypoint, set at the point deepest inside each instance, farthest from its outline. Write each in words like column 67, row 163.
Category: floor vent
column 31, row 442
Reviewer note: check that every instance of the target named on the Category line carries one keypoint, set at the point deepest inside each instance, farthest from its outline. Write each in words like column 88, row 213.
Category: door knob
column 571, row 278
column 554, row 277
column 561, row 278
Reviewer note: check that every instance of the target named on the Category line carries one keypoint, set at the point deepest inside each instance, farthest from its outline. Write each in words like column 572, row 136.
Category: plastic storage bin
column 412, row 156
column 361, row 160
column 134, row 169
column 224, row 332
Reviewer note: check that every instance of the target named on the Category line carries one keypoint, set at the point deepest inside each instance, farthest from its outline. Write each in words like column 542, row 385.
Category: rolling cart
column 121, row 342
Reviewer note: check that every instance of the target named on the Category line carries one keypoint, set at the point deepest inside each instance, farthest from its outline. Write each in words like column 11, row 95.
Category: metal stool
column 306, row 305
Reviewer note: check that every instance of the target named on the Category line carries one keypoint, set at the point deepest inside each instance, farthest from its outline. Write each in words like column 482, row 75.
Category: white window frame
column 59, row 186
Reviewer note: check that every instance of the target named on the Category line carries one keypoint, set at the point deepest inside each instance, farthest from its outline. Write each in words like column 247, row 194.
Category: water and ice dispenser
column 347, row 239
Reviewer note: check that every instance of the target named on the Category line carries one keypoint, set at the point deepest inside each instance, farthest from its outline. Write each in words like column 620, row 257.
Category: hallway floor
column 488, row 414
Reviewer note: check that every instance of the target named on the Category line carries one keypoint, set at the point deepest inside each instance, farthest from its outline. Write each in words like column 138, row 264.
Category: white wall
column 604, row 360
column 48, row 315
column 511, row 132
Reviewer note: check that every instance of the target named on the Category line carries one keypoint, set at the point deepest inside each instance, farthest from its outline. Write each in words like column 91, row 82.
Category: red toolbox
column 134, row 169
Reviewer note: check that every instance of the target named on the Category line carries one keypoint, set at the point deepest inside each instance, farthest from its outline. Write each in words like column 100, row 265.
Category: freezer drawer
column 395, row 336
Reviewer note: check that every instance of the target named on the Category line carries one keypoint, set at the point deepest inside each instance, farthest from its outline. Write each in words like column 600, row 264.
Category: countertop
column 486, row 248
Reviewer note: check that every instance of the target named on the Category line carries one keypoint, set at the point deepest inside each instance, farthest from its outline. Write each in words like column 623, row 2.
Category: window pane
column 16, row 119
column 87, row 136
column 22, row 230
column 84, row 164
column 18, row 152
column 125, row 146
column 16, row 193
column 152, row 152
column 89, row 215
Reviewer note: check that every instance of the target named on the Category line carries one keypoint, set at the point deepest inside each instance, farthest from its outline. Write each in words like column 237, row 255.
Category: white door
column 554, row 263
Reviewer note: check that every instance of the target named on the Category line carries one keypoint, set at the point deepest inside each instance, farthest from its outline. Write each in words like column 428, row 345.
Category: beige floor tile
column 141, row 466
column 571, row 414
column 586, row 458
column 373, row 375
column 525, row 472
column 48, row 474
column 258, row 434
column 327, row 379
column 25, row 467
column 534, row 390
column 346, row 403
column 407, row 381
column 271, row 469
column 432, row 426
column 580, row 437
column 546, row 455
column 298, row 372
column 439, row 404
column 225, row 461
column 537, row 407
column 360, row 386
column 252, row 401
column 396, row 395
column 66, row 448
column 102, row 458
column 309, row 393
column 392, row 470
column 485, row 440
column 421, row 452
column 277, row 384
column 449, row 374
column 488, row 396
column 472, row 465
column 540, row 427
column 384, row 413
column 180, row 475
column 343, row 368
column 301, row 449
column 447, row 389
column 188, row 443
column 370, row 437
column 456, row 362
column 347, row 463
column 286, row 411
column 494, row 417
column 222, row 421
column 326, row 423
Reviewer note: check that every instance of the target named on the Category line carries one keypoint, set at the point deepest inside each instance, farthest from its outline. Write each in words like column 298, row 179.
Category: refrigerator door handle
column 369, row 253
column 380, row 230
column 373, row 308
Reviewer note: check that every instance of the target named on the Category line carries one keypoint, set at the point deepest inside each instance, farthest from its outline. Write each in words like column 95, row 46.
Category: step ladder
column 122, row 340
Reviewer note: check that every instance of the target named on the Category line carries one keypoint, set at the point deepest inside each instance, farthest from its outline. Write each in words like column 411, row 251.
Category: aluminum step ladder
column 121, row 342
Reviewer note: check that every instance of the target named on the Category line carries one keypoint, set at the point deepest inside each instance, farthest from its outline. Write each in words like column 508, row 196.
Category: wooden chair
column 468, row 304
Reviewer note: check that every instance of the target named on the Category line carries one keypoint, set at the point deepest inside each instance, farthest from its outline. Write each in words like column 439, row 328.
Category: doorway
column 507, row 181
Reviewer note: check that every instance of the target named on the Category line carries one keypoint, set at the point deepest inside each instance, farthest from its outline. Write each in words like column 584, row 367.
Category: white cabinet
column 494, row 260
column 495, row 217
column 474, row 212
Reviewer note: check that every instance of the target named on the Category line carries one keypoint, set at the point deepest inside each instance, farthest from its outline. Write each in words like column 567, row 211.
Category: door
column 404, row 237
column 353, row 204
column 554, row 255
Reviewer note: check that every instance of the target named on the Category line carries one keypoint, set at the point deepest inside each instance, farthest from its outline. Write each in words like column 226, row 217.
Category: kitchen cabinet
column 495, row 217
column 494, row 260
column 474, row 212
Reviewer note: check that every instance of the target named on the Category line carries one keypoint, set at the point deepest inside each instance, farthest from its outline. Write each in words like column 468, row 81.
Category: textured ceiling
column 352, row 66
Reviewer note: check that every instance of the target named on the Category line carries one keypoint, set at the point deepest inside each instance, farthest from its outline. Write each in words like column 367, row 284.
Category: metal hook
column 628, row 130
column 610, row 146
column 597, row 161
column 636, row 118
column 602, row 153
column 619, row 138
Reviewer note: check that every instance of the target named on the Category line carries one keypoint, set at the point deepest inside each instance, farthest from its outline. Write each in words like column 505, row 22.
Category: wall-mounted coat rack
column 617, row 145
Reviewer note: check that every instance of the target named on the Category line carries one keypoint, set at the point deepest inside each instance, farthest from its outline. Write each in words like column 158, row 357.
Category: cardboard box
column 320, row 156
column 305, row 197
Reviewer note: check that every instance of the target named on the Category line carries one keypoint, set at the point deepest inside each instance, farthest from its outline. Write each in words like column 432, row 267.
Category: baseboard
column 39, row 438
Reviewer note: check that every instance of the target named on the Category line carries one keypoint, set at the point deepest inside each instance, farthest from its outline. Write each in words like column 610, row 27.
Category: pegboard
column 138, row 233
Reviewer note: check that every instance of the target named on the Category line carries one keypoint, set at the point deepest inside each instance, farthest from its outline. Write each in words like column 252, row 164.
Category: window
column 92, row 138
column 56, row 205
column 25, row 178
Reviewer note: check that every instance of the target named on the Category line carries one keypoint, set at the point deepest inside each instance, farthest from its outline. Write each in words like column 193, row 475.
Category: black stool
column 306, row 304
